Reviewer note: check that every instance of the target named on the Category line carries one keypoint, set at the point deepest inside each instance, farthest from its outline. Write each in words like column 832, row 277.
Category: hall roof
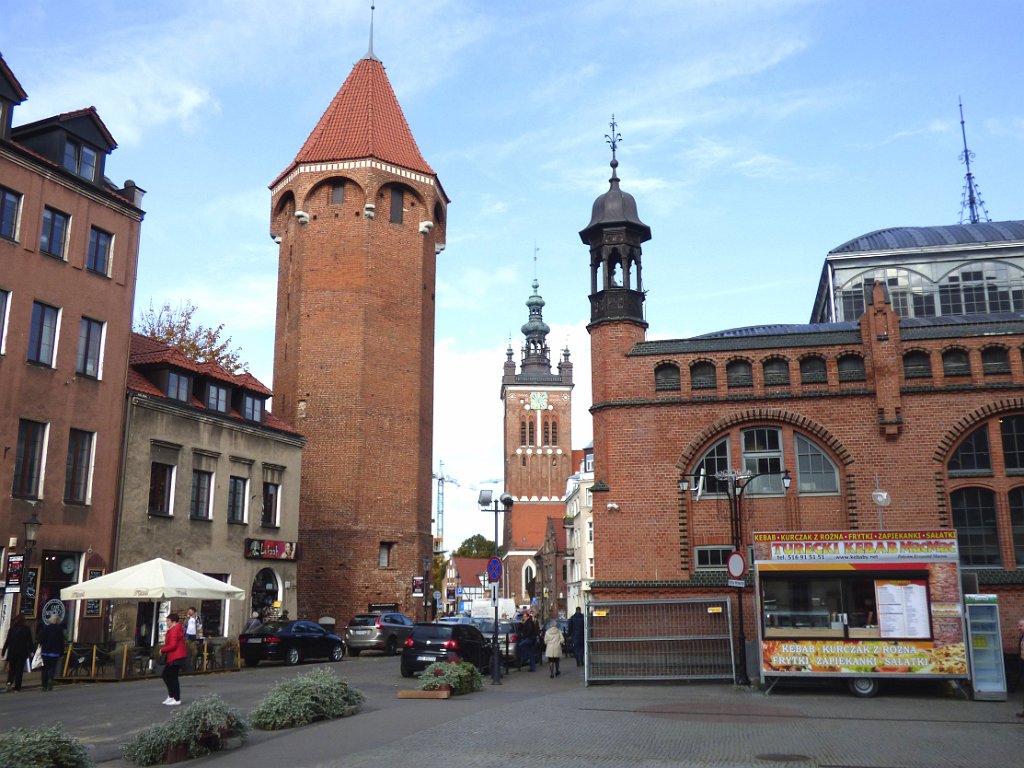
column 901, row 238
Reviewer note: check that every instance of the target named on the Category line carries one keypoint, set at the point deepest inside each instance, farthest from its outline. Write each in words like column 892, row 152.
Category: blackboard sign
column 93, row 607
column 28, row 593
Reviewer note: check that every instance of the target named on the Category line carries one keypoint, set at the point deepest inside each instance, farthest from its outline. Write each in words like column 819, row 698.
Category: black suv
column 444, row 642
column 377, row 632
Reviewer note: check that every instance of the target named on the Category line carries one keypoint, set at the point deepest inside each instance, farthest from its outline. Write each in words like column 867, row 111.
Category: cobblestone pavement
column 532, row 720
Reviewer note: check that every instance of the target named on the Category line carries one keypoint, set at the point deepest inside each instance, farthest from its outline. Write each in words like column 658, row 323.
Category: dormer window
column 80, row 159
column 217, row 398
column 253, row 408
column 178, row 386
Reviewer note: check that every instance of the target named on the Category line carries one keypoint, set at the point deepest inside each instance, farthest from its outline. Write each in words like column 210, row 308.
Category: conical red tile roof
column 363, row 120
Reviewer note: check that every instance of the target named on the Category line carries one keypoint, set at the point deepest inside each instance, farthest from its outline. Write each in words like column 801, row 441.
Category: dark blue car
column 290, row 642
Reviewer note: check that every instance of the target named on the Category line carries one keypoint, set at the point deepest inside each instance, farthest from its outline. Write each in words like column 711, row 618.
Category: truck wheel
column 864, row 687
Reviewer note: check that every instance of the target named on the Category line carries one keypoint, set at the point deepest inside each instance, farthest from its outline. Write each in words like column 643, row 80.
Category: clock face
column 538, row 401
column 67, row 565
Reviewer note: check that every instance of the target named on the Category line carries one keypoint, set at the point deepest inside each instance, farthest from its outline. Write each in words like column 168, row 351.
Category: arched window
column 851, row 368
column 955, row 362
column 762, row 453
column 815, row 472
column 702, row 376
column 974, row 517
column 776, row 371
column 995, row 360
column 532, row 436
column 547, row 433
column 715, row 459
column 337, row 192
column 917, row 365
column 1011, row 429
column 739, row 373
column 522, row 432
column 813, row 371
column 972, row 456
column 397, row 204
column 554, row 433
column 1017, row 522
column 666, row 377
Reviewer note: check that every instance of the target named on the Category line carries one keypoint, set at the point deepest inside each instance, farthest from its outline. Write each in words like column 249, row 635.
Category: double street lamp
column 736, row 483
column 484, row 500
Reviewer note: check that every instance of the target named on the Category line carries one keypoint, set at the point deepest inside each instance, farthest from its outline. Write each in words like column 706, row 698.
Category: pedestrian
column 51, row 643
column 1020, row 656
column 576, row 635
column 18, row 648
column 553, row 647
column 191, row 625
column 252, row 624
column 174, row 651
column 528, row 642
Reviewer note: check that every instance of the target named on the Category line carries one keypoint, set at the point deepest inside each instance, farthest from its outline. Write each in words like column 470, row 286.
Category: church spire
column 536, row 354
column 369, row 52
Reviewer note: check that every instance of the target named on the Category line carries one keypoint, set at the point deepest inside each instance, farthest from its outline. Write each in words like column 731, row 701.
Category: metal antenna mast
column 970, row 200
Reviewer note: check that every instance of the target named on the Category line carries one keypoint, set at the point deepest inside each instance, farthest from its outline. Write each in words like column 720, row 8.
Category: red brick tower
column 360, row 218
column 538, row 448
column 615, row 236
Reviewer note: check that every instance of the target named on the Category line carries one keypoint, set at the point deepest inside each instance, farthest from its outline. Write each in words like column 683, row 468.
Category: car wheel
column 354, row 651
column 391, row 646
column 292, row 656
column 251, row 662
column 337, row 653
column 864, row 687
column 406, row 672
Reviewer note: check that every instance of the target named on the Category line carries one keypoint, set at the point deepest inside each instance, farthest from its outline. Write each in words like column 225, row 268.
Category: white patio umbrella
column 156, row 579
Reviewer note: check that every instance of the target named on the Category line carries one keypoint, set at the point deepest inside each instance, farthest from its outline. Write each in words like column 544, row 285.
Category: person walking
column 175, row 651
column 576, row 635
column 553, row 647
column 528, row 643
column 51, row 642
column 18, row 648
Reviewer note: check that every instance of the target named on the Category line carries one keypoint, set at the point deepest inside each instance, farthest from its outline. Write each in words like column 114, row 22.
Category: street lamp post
column 736, row 483
column 484, row 500
column 32, row 526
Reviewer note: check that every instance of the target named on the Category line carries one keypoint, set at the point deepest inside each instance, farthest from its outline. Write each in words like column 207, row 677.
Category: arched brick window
column 813, row 371
column 666, row 377
column 955, row 362
column 917, row 365
column 974, row 517
column 739, row 373
column 851, row 368
column 703, row 376
column 776, row 371
column 995, row 360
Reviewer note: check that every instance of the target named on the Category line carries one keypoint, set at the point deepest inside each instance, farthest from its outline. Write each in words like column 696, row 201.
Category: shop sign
column 417, row 586
column 268, row 549
column 15, row 567
column 857, row 546
column 837, row 656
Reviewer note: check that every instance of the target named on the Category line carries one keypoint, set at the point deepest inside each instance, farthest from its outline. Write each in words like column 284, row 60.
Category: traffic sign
column 736, row 565
column 736, row 583
column 494, row 569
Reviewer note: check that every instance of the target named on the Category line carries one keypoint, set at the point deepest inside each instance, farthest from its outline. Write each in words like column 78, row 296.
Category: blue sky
column 756, row 136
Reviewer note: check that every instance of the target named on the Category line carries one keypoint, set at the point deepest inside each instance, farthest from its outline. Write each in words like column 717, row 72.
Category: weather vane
column 615, row 137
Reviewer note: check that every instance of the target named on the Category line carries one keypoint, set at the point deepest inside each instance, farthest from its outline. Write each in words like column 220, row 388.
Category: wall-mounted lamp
column 32, row 526
column 613, row 507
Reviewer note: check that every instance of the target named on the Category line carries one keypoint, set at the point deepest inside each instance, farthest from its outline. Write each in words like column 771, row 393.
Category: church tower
column 360, row 218
column 537, row 448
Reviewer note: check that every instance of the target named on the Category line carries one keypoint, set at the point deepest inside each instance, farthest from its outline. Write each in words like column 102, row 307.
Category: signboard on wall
column 15, row 569
column 269, row 549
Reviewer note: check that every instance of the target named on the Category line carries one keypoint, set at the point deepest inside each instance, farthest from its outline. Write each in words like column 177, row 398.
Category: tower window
column 397, row 199
column 522, row 432
column 547, row 433
column 532, row 437
column 337, row 193
column 554, row 433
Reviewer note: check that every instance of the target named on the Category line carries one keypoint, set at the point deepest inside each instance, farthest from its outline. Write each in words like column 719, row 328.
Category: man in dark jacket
column 51, row 640
column 18, row 649
column 576, row 633
column 528, row 643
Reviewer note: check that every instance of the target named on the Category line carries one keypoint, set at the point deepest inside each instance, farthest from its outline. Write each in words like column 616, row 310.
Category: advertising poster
column 864, row 657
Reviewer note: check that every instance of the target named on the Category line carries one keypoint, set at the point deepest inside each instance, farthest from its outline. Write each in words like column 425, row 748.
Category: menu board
column 902, row 608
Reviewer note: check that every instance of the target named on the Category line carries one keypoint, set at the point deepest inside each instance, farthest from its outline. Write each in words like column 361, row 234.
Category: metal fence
column 659, row 640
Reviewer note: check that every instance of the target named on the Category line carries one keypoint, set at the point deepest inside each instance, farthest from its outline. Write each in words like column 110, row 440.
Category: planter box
column 424, row 694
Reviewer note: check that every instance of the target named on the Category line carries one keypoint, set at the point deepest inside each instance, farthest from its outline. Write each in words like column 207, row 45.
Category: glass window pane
column 974, row 517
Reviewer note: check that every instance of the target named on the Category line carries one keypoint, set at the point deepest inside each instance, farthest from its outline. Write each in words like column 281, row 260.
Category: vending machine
column 988, row 675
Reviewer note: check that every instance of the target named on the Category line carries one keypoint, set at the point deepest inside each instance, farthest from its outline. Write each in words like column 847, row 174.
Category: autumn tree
column 475, row 546
column 178, row 328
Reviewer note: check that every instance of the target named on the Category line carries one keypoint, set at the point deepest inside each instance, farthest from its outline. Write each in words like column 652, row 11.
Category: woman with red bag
column 174, row 651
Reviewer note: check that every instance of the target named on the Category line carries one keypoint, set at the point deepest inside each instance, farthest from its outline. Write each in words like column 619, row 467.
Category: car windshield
column 367, row 620
column 271, row 627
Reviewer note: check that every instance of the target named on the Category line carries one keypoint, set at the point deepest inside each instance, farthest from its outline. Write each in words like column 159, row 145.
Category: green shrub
column 306, row 698
column 461, row 676
column 49, row 747
column 199, row 727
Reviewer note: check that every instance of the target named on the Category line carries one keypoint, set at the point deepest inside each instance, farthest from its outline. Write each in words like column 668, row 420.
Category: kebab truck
column 864, row 606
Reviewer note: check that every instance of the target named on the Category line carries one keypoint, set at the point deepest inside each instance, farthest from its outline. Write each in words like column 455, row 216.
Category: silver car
column 377, row 632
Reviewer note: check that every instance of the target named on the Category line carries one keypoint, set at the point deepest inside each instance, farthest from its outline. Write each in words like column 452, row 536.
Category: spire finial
column 536, row 250
column 970, row 200
column 613, row 141
column 369, row 53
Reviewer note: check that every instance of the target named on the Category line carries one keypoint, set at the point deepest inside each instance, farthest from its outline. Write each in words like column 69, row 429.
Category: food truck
column 861, row 605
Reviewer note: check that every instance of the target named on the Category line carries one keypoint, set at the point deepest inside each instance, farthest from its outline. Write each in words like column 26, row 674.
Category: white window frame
column 109, row 255
column 55, row 341
column 245, row 500
column 5, row 317
column 18, row 207
column 99, row 352
column 62, row 255
column 276, row 522
column 209, row 496
column 171, row 485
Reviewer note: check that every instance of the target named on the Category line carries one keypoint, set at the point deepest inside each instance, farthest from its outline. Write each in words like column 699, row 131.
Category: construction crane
column 441, row 478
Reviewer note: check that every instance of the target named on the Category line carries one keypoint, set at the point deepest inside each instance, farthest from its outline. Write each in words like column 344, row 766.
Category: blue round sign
column 494, row 569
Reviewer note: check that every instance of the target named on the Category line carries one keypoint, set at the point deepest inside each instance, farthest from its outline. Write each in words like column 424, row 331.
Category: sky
column 756, row 136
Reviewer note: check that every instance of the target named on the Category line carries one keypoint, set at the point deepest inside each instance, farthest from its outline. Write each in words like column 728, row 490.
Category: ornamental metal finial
column 613, row 141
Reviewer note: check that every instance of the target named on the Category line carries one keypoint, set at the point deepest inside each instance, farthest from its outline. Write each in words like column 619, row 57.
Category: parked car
column 455, row 620
column 508, row 638
column 444, row 642
column 377, row 632
column 290, row 642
